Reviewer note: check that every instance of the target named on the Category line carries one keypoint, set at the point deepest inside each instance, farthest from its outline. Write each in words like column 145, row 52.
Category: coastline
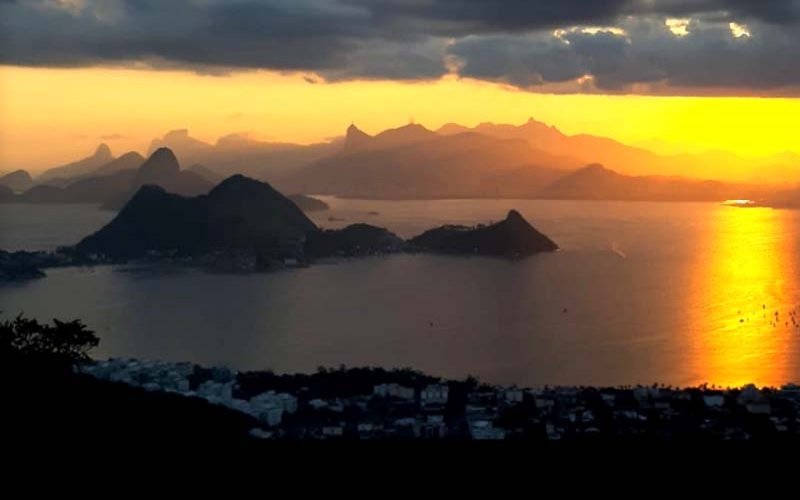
column 375, row 403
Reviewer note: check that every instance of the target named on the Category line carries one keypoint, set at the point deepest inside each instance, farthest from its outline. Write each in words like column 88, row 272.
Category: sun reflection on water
column 744, row 316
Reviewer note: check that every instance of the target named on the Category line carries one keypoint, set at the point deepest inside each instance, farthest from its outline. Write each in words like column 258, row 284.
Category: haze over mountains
column 531, row 160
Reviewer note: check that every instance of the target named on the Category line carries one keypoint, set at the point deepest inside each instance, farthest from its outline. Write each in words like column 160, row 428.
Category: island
column 244, row 225
column 512, row 237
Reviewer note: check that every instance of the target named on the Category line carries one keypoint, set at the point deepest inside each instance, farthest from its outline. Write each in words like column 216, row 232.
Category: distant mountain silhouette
column 18, row 180
column 182, row 144
column 466, row 165
column 357, row 141
column 85, row 166
column 632, row 160
column 129, row 161
column 206, row 173
column 513, row 236
column 237, row 153
column 85, row 190
column 161, row 169
column 308, row 204
column 595, row 182
column 238, row 214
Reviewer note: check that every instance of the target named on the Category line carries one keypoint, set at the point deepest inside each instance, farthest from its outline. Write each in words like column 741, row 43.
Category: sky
column 669, row 74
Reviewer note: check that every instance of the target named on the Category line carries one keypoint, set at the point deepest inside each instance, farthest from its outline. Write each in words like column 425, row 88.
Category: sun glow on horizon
column 51, row 116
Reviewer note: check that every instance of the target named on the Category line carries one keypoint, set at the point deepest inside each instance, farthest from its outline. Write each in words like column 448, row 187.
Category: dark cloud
column 710, row 56
column 511, row 41
column 112, row 137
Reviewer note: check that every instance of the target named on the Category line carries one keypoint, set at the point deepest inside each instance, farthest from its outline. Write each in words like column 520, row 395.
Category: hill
column 513, row 236
column 238, row 214
column 637, row 161
column 18, row 180
column 595, row 182
column 161, row 169
column 206, row 173
column 309, row 204
column 458, row 166
column 129, row 161
column 101, row 156
column 238, row 153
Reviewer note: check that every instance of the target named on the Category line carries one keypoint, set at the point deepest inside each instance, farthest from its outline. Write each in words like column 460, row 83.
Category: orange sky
column 51, row 116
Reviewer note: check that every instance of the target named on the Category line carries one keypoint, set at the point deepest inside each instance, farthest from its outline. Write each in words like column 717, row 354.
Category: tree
column 66, row 342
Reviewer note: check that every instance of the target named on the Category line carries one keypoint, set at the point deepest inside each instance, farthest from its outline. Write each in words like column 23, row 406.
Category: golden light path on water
column 744, row 319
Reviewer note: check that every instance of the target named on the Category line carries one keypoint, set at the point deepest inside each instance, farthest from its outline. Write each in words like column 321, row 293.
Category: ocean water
column 676, row 293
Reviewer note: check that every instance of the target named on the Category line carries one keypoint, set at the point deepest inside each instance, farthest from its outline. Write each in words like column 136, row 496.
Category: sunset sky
column 696, row 74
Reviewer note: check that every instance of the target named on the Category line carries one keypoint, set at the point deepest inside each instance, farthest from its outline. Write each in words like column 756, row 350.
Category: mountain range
column 113, row 183
column 531, row 160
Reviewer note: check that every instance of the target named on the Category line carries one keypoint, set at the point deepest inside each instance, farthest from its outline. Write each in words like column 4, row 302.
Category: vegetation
column 47, row 402
column 61, row 344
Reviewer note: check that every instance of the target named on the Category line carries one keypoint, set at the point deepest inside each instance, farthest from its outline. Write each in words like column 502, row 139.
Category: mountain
column 355, row 140
column 18, row 180
column 182, row 144
column 86, row 190
column 114, row 184
column 238, row 214
column 595, row 182
column 308, row 204
column 160, row 169
column 239, row 153
column 206, row 173
column 631, row 160
column 513, row 236
column 466, row 165
column 129, row 161
column 85, row 166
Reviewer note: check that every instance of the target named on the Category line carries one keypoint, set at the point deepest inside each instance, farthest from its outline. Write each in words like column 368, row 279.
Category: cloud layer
column 694, row 47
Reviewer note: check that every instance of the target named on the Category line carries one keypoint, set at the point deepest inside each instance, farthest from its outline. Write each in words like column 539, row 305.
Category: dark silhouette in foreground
column 46, row 402
column 513, row 236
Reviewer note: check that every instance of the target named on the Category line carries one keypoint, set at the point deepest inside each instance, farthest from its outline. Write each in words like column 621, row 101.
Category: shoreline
column 376, row 403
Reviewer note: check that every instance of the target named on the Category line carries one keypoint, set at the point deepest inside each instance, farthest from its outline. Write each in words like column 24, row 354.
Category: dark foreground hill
column 309, row 204
column 513, row 236
column 238, row 214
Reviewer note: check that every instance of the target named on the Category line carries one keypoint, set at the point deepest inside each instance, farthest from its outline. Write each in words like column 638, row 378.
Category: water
column 678, row 293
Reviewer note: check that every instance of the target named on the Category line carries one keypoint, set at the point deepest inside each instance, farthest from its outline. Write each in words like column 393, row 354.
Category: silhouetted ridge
column 239, row 214
column 18, row 180
column 162, row 169
column 356, row 139
column 162, row 162
column 513, row 236
column 103, row 151
column 308, row 204
column 101, row 156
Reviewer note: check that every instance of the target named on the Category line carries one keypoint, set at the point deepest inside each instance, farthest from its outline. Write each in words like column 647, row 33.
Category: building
column 434, row 395
column 511, row 395
column 393, row 391
column 483, row 430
